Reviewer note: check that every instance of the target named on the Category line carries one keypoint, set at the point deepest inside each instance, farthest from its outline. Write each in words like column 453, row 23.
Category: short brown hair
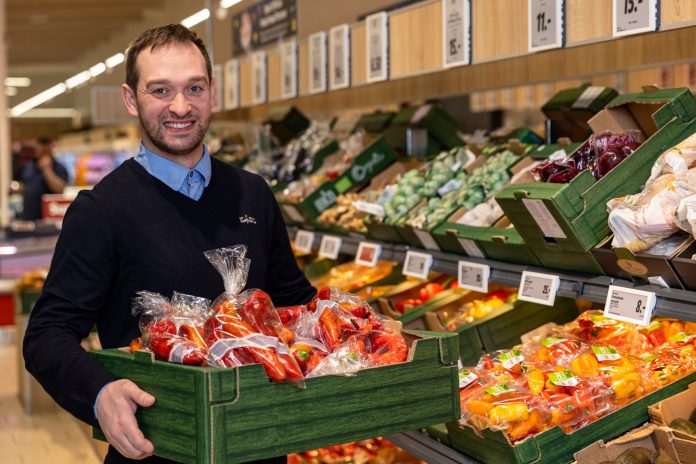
column 160, row 36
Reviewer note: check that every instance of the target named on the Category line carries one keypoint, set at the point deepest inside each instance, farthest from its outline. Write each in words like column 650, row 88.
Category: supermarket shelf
column 429, row 450
column 671, row 302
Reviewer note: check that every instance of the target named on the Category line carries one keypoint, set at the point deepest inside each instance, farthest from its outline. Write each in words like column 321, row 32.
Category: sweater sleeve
column 77, row 286
column 287, row 284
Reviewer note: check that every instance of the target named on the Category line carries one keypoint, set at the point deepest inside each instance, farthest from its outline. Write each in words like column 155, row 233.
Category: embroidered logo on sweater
column 247, row 219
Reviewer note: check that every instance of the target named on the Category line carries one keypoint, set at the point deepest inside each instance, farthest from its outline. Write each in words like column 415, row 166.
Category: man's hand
column 44, row 161
column 116, row 408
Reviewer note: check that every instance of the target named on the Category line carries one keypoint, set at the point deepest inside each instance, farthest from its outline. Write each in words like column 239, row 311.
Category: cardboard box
column 647, row 267
column 685, row 266
column 678, row 406
column 643, row 437
column 211, row 415
column 573, row 216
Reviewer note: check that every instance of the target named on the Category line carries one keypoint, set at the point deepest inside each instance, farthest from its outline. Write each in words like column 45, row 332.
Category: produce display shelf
column 670, row 302
column 428, row 449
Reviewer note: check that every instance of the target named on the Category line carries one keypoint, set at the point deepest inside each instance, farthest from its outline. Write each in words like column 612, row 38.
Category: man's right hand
column 116, row 408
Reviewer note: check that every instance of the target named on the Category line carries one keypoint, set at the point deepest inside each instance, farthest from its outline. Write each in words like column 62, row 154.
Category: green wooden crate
column 571, row 261
column 440, row 124
column 25, row 300
column 575, row 214
column 554, row 446
column 287, row 123
column 375, row 122
column 438, row 432
column 212, row 415
column 383, row 232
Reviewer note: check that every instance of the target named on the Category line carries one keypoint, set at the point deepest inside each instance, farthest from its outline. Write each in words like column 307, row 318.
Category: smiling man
column 145, row 227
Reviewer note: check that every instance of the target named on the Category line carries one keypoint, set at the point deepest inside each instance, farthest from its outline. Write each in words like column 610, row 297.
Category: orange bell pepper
column 626, row 386
column 509, row 412
column 585, row 365
column 482, row 408
column 522, row 428
column 535, row 381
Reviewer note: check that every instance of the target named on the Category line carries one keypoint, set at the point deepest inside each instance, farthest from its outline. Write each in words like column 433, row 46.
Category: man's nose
column 180, row 105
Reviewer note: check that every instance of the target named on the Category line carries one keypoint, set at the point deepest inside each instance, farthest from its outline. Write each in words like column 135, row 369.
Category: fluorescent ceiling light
column 196, row 18
column 77, row 79
column 10, row 91
column 51, row 113
column 97, row 69
column 38, row 99
column 229, row 3
column 115, row 60
column 17, row 81
column 8, row 250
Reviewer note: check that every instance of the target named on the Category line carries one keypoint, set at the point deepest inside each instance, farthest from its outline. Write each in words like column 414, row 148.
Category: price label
column 471, row 248
column 231, row 84
column 466, row 377
column 304, row 241
column 634, row 16
column 288, row 72
column 330, row 247
column 417, row 264
column 377, row 47
column 339, row 57
column 538, row 288
column 543, row 218
column 456, row 33
column 564, row 379
column 629, row 305
column 368, row 254
column 259, row 78
column 219, row 76
column 317, row 62
column 546, row 24
column 426, row 240
column 474, row 276
column 370, row 208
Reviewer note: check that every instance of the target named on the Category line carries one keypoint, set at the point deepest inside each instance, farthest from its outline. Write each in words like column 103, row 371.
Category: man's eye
column 159, row 91
column 196, row 89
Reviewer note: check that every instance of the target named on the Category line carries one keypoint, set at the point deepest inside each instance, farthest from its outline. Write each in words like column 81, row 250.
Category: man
column 145, row 227
column 41, row 176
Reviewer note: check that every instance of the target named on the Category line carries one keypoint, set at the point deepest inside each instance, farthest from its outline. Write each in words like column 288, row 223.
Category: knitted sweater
column 130, row 233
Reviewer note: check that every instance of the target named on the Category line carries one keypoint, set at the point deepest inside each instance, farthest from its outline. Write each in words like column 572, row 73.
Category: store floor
column 51, row 438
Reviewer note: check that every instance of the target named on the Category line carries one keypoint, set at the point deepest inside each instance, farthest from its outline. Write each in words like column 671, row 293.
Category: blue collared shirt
column 189, row 182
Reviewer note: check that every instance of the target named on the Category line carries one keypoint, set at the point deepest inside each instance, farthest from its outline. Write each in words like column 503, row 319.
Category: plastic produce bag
column 246, row 328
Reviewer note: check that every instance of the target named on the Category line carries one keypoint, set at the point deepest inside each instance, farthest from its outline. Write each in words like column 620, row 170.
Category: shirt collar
column 173, row 174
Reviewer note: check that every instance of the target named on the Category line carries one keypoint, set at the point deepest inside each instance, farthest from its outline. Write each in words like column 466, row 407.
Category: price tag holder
column 232, row 84
column 377, row 56
column 473, row 276
column 629, row 305
column 317, row 62
column 368, row 254
column 546, row 24
column 304, row 241
column 634, row 16
column 339, row 57
column 259, row 78
column 330, row 247
column 456, row 33
column 536, row 287
column 417, row 264
column 288, row 69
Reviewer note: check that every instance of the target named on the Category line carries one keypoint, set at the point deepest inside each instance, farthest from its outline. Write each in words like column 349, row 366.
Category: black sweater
column 130, row 233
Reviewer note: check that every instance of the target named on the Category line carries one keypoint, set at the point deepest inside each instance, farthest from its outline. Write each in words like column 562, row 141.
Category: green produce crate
column 502, row 327
column 574, row 215
column 554, row 446
column 439, row 124
column 212, row 415
column 318, row 159
column 438, row 432
column 25, row 300
column 376, row 122
column 571, row 261
column 287, row 123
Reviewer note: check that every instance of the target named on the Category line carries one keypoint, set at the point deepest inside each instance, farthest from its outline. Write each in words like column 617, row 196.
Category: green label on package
column 343, row 185
column 497, row 390
column 549, row 342
column 565, row 378
column 605, row 353
column 466, row 377
column 511, row 358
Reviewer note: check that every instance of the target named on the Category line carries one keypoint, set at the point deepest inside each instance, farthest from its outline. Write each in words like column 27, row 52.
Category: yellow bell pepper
column 626, row 386
column 521, row 428
column 479, row 407
column 535, row 381
column 504, row 413
column 585, row 365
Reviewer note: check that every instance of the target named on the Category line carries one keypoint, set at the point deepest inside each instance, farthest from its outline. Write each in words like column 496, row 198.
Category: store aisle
column 53, row 438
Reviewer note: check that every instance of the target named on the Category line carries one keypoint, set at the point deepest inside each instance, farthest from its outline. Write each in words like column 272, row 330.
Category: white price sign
column 231, row 84
column 417, row 264
column 304, row 241
column 330, row 247
column 629, row 305
column 377, row 47
column 473, row 276
column 219, row 77
column 317, row 62
column 634, row 16
column 259, row 79
column 368, row 254
column 536, row 287
column 288, row 72
column 456, row 33
column 339, row 57
column 546, row 24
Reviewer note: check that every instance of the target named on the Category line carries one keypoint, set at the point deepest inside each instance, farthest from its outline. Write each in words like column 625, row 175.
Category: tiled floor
column 52, row 438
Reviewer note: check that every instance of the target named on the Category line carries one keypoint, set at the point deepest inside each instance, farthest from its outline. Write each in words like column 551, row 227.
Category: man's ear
column 129, row 99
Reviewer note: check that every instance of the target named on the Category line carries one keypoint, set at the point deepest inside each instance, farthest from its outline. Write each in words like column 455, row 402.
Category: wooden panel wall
column 245, row 82
column 497, row 30
column 675, row 12
column 274, row 74
column 587, row 20
column 358, row 54
column 415, row 38
column 303, row 66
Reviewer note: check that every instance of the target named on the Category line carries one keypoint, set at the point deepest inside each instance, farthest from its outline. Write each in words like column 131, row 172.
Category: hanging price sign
column 330, row 247
column 304, row 241
column 546, row 24
column 339, row 57
column 368, row 254
column 629, row 305
column 231, row 84
column 417, row 264
column 288, row 72
column 539, row 288
column 456, row 33
column 634, row 16
column 474, row 276
column 377, row 47
column 317, row 62
column 260, row 78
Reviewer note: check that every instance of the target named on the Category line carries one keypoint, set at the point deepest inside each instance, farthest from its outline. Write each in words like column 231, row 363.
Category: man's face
column 173, row 99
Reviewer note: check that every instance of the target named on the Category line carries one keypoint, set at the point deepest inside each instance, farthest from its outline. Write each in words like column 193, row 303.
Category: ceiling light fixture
column 17, row 81
column 38, row 99
column 10, row 91
column 97, row 69
column 196, row 18
column 77, row 79
column 43, row 113
column 229, row 3
column 115, row 60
